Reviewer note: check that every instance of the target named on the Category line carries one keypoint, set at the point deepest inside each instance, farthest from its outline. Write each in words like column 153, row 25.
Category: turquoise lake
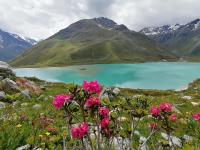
column 159, row 75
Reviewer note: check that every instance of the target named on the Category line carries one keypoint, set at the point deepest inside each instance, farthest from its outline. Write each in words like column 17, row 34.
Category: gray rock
column 176, row 141
column 37, row 106
column 142, row 140
column 10, row 85
column 187, row 97
column 2, row 105
column 2, row 95
column 5, row 70
column 1, row 78
column 25, row 93
column 187, row 138
column 116, row 90
column 25, row 147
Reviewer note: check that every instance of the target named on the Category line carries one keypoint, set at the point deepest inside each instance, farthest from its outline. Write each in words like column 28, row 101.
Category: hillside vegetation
column 92, row 41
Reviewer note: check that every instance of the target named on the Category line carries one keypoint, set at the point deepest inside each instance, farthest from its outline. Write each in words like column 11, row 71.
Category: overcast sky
column 41, row 18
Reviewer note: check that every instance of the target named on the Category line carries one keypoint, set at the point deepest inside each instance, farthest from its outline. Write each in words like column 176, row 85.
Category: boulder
column 37, row 106
column 2, row 105
column 2, row 95
column 176, row 141
column 25, row 147
column 187, row 97
column 25, row 93
column 116, row 90
column 5, row 70
column 187, row 138
column 10, row 85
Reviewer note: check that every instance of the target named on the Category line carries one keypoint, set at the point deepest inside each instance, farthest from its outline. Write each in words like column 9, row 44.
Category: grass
column 31, row 132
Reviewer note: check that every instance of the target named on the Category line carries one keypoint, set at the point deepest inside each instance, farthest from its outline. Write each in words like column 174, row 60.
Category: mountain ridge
column 12, row 45
column 89, row 41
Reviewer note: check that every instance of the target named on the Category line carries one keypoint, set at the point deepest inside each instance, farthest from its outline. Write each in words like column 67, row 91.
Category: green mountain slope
column 91, row 41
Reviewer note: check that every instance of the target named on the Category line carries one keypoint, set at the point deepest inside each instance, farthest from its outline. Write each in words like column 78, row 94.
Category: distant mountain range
column 90, row 41
column 182, row 40
column 101, row 40
column 12, row 45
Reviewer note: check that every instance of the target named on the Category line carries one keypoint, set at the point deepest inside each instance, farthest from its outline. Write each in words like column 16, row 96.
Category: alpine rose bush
column 101, row 120
column 104, row 112
column 60, row 100
column 92, row 101
column 165, row 107
column 92, row 87
column 196, row 117
column 155, row 111
column 80, row 132
column 104, row 123
column 173, row 117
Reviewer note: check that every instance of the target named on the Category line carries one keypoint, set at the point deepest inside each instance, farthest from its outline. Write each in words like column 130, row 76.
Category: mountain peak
column 105, row 22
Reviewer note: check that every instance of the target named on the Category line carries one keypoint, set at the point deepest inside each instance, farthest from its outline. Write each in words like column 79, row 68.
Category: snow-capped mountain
column 183, row 40
column 11, row 45
column 150, row 31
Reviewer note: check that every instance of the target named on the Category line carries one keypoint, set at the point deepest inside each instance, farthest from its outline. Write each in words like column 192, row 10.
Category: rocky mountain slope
column 12, row 45
column 183, row 40
column 89, row 41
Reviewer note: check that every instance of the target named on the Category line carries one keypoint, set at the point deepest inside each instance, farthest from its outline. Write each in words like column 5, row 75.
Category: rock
column 137, row 132
column 118, row 142
column 10, row 85
column 195, row 103
column 37, row 106
column 176, row 141
column 2, row 105
column 25, row 93
column 1, row 78
column 25, row 147
column 5, row 70
column 116, row 90
column 2, row 95
column 187, row 97
column 187, row 138
column 142, row 140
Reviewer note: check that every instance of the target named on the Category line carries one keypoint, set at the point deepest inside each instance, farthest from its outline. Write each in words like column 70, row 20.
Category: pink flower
column 104, row 123
column 165, row 107
column 173, row 117
column 155, row 111
column 75, row 133
column 92, row 101
column 196, row 117
column 60, row 100
column 153, row 126
column 104, row 112
column 92, row 87
column 81, row 131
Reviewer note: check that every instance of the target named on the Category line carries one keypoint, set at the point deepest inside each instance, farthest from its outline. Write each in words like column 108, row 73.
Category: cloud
column 41, row 18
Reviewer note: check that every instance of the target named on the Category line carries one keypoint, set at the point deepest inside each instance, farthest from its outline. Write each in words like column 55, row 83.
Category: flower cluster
column 196, row 117
column 92, row 101
column 163, row 108
column 91, row 87
column 60, row 100
column 80, row 131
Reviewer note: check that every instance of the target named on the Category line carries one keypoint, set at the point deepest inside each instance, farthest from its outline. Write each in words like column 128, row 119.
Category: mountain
column 12, row 45
column 183, row 40
column 89, row 41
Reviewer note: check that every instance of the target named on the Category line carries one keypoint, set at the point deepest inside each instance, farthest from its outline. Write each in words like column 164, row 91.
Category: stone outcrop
column 5, row 70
